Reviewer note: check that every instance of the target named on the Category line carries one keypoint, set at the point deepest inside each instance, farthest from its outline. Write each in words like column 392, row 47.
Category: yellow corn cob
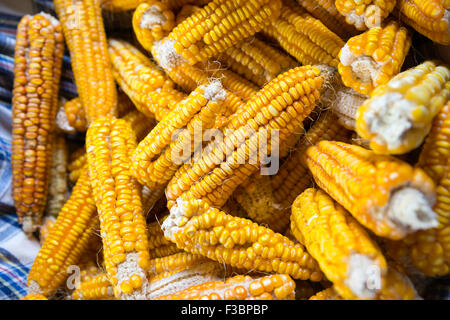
column 34, row 297
column 282, row 104
column 57, row 190
column 397, row 287
column 273, row 287
column 345, row 105
column 293, row 177
column 384, row 194
column 398, row 115
column 327, row 294
column 435, row 153
column 366, row 14
column 429, row 250
column 37, row 68
column 157, row 157
column 85, row 36
column 200, row 229
column 428, row 17
column 159, row 246
column 343, row 249
column 256, row 61
column 326, row 11
column 216, row 27
column 109, row 144
column 67, row 240
column 305, row 37
column 144, row 83
column 374, row 57
column 256, row 197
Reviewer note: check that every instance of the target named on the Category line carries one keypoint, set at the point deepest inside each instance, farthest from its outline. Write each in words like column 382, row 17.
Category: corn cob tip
column 363, row 276
column 409, row 208
column 388, row 119
column 174, row 222
column 214, row 91
column 165, row 54
column 55, row 22
column 364, row 68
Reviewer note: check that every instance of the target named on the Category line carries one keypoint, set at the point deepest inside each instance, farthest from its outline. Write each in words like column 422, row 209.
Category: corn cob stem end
column 410, row 209
column 152, row 18
column 364, row 68
column 388, row 119
column 166, row 55
column 363, row 276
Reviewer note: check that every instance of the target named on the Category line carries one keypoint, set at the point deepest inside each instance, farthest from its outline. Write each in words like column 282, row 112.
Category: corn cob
column 200, row 229
column 61, row 121
column 429, row 250
column 34, row 297
column 436, row 150
column 144, row 83
column 366, row 14
column 37, row 69
column 326, row 11
column 343, row 249
column 57, row 190
column 216, row 27
column 305, row 37
column 384, row 194
column 398, row 115
column 109, row 144
column 273, row 287
column 159, row 246
column 185, row 12
column 85, row 36
column 282, row 104
column 428, row 17
column 256, row 61
column 294, row 177
column 157, row 157
column 67, row 240
column 374, row 57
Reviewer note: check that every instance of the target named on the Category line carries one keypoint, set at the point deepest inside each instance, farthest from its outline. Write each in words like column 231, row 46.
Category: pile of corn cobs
column 235, row 149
